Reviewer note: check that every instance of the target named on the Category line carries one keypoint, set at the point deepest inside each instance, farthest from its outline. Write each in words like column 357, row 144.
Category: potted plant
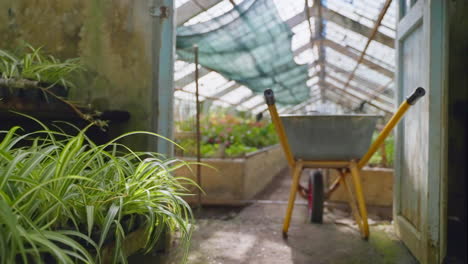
column 64, row 199
column 31, row 75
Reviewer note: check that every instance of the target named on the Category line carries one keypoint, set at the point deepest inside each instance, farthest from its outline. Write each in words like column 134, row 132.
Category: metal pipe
column 195, row 50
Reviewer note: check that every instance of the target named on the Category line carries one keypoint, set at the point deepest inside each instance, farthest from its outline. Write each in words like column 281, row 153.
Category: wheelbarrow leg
column 360, row 199
column 292, row 197
column 352, row 201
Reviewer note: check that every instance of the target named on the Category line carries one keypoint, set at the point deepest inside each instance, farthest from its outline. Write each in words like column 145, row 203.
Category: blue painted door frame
column 420, row 164
column 164, row 25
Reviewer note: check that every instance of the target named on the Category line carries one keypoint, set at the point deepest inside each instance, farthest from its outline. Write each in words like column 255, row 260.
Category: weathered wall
column 113, row 37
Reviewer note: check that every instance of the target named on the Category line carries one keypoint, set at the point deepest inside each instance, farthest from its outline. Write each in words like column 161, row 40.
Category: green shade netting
column 251, row 45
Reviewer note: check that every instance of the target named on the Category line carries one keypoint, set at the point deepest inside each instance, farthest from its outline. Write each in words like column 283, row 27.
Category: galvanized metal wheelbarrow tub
column 329, row 137
column 338, row 142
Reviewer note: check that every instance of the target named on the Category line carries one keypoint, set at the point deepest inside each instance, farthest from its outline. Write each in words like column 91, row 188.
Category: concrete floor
column 252, row 234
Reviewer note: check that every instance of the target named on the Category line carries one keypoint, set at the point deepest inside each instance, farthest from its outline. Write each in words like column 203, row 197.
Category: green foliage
column 206, row 150
column 63, row 198
column 238, row 149
column 376, row 159
column 235, row 135
column 32, row 64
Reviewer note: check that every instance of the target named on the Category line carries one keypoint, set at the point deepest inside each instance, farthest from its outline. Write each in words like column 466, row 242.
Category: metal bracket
column 161, row 12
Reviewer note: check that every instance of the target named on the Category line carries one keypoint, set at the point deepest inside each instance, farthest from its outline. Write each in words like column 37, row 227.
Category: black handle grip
column 269, row 97
column 416, row 95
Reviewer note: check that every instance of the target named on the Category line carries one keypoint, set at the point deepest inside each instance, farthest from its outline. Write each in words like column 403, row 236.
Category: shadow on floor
column 252, row 234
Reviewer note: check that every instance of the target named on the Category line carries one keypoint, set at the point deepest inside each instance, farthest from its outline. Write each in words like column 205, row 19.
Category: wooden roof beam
column 227, row 90
column 190, row 77
column 348, row 53
column 246, row 98
column 206, row 97
column 193, row 8
column 344, row 22
column 294, row 21
column 309, row 102
column 305, row 103
column 371, row 85
column 360, row 98
column 368, row 95
column 334, row 99
column 369, row 40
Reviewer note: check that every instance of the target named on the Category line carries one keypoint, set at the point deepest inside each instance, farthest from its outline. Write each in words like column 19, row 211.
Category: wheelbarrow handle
column 416, row 95
column 270, row 101
column 269, row 97
column 405, row 105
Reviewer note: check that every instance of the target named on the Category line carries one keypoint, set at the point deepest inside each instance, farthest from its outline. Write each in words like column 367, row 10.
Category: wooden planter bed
column 236, row 180
column 377, row 184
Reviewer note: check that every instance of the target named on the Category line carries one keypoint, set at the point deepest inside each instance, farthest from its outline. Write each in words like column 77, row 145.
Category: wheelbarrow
column 341, row 142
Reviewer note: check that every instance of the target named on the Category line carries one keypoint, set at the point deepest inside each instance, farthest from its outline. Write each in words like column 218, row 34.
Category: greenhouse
column 233, row 131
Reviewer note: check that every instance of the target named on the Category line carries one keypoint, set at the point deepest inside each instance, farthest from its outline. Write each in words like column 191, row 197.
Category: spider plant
column 33, row 64
column 63, row 199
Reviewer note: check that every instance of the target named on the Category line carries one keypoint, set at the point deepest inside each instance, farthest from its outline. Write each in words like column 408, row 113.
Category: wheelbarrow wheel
column 315, row 197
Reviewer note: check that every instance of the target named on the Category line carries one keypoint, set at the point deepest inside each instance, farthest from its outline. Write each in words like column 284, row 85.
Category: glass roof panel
column 301, row 35
column 366, row 12
column 182, row 69
column 237, row 95
column 217, row 10
column 185, row 96
column 288, row 9
column 372, row 75
column 344, row 36
column 339, row 80
column 260, row 108
column 253, row 101
column 312, row 81
column 367, row 79
column 306, row 57
column 178, row 3
column 208, row 84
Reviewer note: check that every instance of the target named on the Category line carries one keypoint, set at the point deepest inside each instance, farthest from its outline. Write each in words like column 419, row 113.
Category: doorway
column 457, row 153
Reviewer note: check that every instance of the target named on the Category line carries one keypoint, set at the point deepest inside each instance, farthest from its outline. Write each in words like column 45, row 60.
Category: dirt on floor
column 252, row 234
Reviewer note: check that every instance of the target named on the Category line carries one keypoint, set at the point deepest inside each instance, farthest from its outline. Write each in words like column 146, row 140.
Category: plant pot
column 4, row 92
column 133, row 245
column 33, row 94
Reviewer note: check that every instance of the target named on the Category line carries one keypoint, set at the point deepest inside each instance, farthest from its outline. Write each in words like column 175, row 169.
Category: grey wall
column 113, row 37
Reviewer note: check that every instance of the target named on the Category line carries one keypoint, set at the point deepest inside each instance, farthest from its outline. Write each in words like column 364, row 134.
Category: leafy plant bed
column 225, row 136
column 64, row 199
column 236, row 180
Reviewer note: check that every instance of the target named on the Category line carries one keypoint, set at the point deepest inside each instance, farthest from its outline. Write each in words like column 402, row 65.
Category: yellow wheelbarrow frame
column 352, row 167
